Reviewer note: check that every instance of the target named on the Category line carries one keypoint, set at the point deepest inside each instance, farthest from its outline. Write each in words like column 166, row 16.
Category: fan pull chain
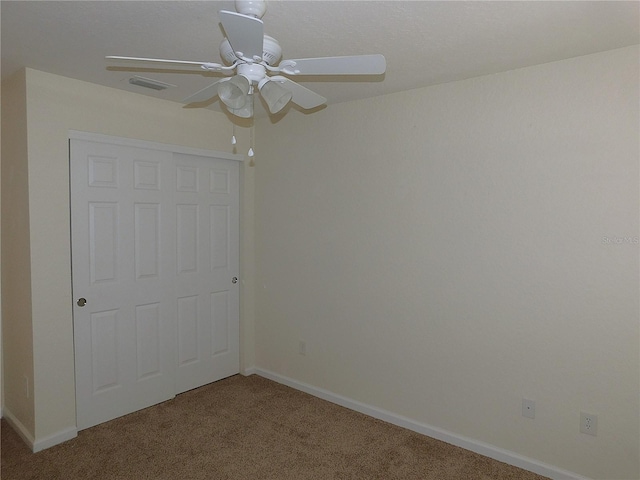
column 250, row 153
column 233, row 137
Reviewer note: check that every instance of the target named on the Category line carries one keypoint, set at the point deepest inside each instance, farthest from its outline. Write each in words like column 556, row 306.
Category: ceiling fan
column 253, row 59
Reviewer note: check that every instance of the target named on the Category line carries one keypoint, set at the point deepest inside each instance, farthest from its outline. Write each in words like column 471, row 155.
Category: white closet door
column 122, row 264
column 140, row 245
column 207, row 265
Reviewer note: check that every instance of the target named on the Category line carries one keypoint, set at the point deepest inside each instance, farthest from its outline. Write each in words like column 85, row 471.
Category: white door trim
column 131, row 142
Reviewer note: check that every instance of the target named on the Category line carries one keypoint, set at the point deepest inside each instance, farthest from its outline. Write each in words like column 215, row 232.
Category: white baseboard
column 476, row 446
column 55, row 439
column 18, row 427
column 43, row 443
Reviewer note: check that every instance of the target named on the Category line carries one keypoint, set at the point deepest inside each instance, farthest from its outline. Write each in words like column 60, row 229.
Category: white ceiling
column 424, row 42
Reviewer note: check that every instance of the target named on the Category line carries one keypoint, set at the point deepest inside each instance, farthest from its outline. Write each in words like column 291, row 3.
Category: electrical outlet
column 302, row 347
column 588, row 423
column 528, row 408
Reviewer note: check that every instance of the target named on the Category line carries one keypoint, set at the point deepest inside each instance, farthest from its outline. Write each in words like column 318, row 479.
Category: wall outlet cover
column 588, row 423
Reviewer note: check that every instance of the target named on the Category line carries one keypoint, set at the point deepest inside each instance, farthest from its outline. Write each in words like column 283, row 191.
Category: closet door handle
column 82, row 302
column 234, row 280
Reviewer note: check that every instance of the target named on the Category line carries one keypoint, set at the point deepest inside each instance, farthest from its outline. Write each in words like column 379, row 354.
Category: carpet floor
column 248, row 428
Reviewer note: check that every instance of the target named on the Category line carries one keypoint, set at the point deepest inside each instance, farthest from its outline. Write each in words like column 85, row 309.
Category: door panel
column 188, row 330
column 103, row 241
column 104, row 346
column 187, row 237
column 220, row 322
column 121, row 264
column 207, row 211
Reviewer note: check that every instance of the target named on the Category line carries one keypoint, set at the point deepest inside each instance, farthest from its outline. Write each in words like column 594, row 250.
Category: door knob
column 234, row 280
column 81, row 302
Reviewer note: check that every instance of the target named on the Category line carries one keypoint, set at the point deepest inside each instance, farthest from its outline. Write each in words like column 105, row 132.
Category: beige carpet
column 248, row 428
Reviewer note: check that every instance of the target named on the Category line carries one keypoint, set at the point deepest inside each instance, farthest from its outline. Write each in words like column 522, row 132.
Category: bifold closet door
column 154, row 254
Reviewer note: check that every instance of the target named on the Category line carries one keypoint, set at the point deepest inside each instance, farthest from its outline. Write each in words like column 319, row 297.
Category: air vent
column 149, row 83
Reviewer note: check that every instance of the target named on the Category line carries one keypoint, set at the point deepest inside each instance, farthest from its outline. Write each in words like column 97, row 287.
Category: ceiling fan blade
column 245, row 33
column 207, row 65
column 301, row 95
column 350, row 65
column 206, row 93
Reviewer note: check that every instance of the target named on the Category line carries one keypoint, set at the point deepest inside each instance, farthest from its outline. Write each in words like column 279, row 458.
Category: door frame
column 150, row 145
column 132, row 142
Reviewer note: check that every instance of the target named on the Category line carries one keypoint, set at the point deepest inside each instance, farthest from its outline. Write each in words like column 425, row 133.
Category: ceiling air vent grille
column 149, row 83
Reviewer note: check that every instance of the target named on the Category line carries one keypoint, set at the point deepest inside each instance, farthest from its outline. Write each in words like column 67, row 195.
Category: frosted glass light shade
column 246, row 111
column 275, row 95
column 233, row 92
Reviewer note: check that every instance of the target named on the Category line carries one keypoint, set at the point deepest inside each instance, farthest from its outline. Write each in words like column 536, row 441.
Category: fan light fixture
column 236, row 92
column 246, row 111
column 233, row 92
column 275, row 95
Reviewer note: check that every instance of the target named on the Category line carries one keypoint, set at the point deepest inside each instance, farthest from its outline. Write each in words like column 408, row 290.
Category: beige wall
column 17, row 332
column 56, row 105
column 448, row 251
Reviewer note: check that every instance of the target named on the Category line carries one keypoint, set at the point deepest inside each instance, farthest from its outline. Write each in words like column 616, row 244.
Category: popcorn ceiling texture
column 425, row 42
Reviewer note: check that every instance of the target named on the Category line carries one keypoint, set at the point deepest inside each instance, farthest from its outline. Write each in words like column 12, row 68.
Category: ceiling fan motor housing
column 271, row 51
column 255, row 8
column 254, row 72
